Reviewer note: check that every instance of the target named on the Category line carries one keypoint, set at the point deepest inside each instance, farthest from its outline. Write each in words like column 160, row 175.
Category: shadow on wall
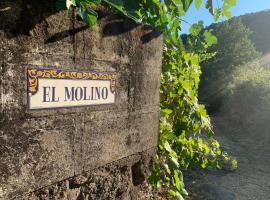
column 120, row 27
column 19, row 17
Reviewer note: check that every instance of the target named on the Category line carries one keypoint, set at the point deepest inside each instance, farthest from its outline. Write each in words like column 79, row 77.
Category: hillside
column 259, row 24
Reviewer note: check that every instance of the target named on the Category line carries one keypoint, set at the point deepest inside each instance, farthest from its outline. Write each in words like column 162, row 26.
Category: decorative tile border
column 34, row 74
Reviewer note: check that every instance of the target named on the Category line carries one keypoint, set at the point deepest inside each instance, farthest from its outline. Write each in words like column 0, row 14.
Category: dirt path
column 250, row 144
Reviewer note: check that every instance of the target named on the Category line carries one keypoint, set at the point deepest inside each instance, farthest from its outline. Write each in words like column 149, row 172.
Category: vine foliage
column 185, row 129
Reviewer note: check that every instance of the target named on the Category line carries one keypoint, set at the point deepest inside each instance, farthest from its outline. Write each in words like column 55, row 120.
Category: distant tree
column 259, row 24
column 233, row 50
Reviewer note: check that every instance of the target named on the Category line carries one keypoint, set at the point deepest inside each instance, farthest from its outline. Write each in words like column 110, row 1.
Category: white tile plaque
column 53, row 88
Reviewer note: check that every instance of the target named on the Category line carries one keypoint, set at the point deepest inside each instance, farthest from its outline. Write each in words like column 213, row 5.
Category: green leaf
column 172, row 192
column 227, row 13
column 117, row 4
column 186, row 4
column 209, row 38
column 195, row 29
column 174, row 162
column 88, row 15
column 155, row 176
column 198, row 4
column 129, row 9
column 167, row 111
column 184, row 192
column 209, row 6
column 179, row 196
column 167, row 168
column 167, row 146
column 176, row 180
column 217, row 13
column 230, row 3
column 92, row 18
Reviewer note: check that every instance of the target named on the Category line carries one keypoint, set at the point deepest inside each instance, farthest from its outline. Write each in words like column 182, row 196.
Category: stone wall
column 98, row 152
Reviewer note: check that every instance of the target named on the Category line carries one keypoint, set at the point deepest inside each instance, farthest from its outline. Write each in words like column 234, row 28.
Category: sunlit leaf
column 70, row 3
column 209, row 38
column 167, row 146
column 88, row 15
column 186, row 4
column 195, row 29
column 177, row 181
column 198, row 4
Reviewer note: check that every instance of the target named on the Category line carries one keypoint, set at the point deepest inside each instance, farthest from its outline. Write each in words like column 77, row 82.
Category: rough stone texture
column 124, row 179
column 38, row 149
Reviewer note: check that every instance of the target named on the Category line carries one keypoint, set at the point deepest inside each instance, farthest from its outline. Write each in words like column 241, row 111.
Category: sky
column 243, row 6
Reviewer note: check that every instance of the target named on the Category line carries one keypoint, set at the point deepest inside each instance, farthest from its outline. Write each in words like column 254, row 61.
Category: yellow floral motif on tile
column 35, row 74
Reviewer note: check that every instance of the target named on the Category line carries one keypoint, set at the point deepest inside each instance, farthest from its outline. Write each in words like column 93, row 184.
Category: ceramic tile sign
column 55, row 88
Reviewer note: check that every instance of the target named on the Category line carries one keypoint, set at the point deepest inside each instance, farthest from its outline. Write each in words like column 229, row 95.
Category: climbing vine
column 185, row 129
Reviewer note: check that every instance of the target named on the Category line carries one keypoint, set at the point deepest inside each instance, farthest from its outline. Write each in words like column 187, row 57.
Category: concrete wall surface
column 110, row 146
